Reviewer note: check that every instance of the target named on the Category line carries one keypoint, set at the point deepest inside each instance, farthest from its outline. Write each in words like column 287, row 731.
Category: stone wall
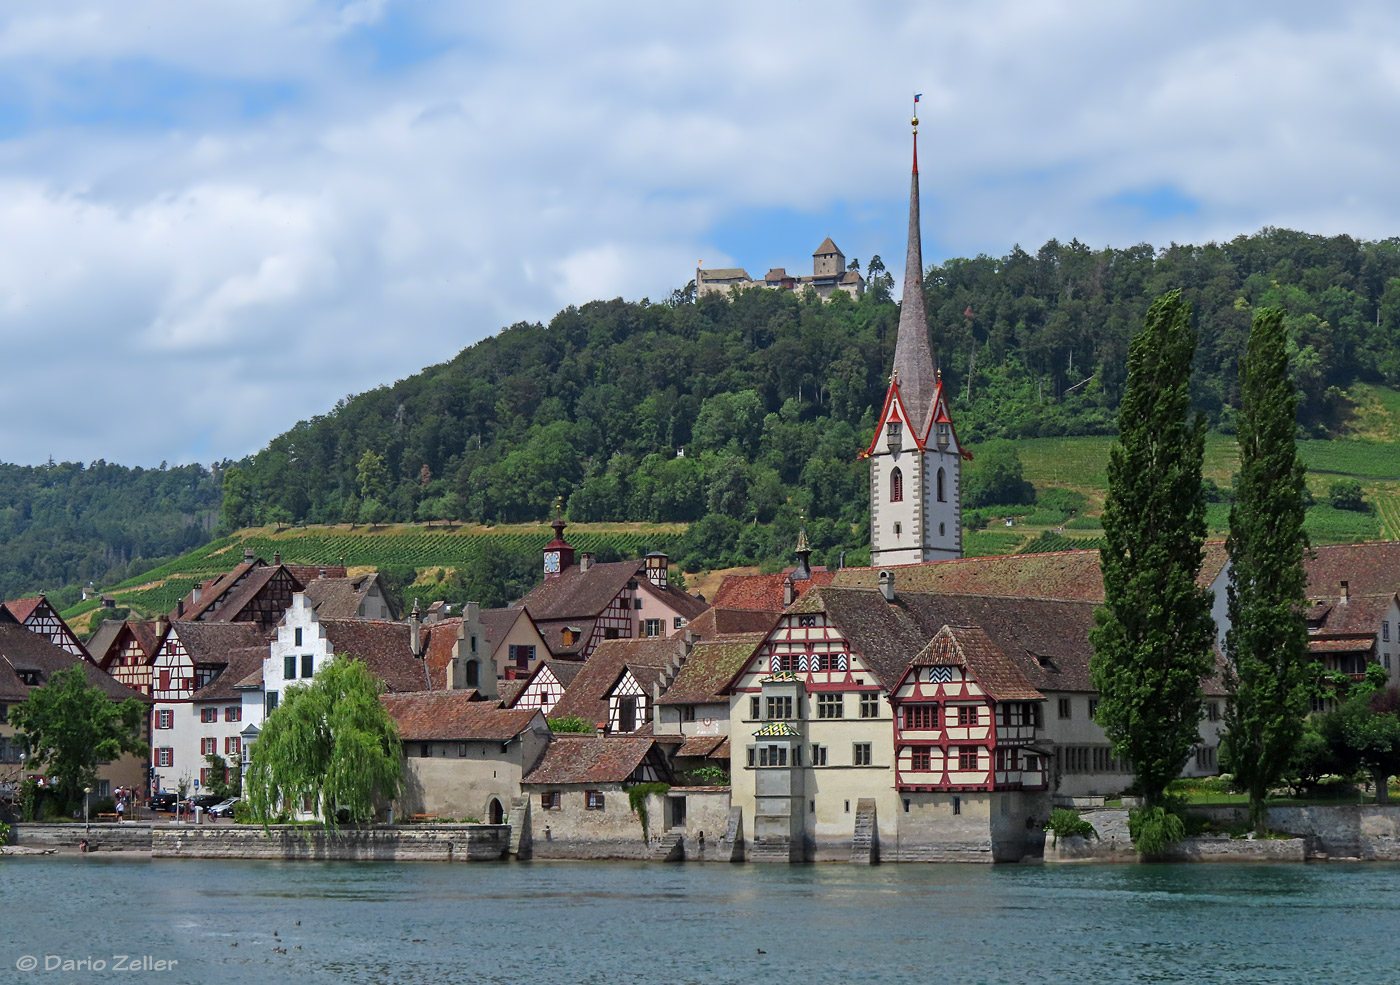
column 380, row 843
column 573, row 831
column 127, row 837
column 1364, row 831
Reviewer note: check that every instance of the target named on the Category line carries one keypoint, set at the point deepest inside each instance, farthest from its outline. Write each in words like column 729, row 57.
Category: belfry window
column 941, row 497
column 897, row 485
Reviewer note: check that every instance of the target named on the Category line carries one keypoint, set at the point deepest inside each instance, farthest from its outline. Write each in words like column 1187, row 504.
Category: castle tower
column 915, row 457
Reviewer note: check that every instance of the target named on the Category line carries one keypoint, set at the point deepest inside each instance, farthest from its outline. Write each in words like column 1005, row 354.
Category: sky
column 219, row 218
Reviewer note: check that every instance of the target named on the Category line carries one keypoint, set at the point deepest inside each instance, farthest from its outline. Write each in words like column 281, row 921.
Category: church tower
column 915, row 457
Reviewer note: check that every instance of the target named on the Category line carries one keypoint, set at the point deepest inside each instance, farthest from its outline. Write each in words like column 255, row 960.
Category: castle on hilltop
column 829, row 274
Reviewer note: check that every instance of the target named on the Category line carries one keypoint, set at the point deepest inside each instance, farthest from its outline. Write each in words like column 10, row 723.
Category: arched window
column 896, row 485
column 941, row 498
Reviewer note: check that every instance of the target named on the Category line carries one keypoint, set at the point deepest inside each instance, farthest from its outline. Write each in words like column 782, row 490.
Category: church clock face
column 551, row 562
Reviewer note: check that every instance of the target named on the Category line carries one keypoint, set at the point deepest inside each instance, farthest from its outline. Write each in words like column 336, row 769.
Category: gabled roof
column 587, row 696
column 971, row 648
column 338, row 598
column 724, row 273
column 24, row 651
column 1368, row 569
column 1065, row 575
column 827, row 247
column 116, row 633
column 22, row 609
column 685, row 604
column 496, row 625
column 709, row 667
column 763, row 592
column 212, row 590
column 211, row 642
column 242, row 663
column 100, row 641
column 563, row 671
column 454, row 716
column 382, row 646
column 438, row 640
column 578, row 594
column 728, row 622
column 591, row 759
column 895, row 409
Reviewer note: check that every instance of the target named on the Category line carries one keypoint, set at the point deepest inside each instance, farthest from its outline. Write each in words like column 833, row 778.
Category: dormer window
column 894, row 435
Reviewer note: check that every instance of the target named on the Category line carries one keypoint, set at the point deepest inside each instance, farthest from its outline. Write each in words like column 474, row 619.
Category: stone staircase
column 771, row 850
column 865, row 848
column 731, row 846
column 520, row 840
column 671, row 848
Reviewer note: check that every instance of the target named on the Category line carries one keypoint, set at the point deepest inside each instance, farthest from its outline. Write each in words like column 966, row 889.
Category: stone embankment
column 382, row 843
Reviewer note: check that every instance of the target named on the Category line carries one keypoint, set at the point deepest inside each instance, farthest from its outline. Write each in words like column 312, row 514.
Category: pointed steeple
column 913, row 358
column 803, row 572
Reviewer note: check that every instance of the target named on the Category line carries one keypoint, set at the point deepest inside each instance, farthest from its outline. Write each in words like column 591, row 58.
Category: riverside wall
column 381, row 843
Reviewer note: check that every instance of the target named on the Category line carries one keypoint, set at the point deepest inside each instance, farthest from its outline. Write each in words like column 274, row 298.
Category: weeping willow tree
column 330, row 745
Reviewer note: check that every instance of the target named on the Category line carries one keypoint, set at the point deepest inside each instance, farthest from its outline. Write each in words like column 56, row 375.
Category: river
column 572, row 923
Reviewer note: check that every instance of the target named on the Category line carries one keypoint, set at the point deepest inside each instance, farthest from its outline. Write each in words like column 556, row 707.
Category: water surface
column 575, row 923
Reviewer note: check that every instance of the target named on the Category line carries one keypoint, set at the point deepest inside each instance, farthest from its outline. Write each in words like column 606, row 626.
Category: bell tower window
column 897, row 485
column 942, row 498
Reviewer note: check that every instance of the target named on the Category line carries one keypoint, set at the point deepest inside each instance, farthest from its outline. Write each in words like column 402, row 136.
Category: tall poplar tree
column 1267, row 667
column 1153, row 636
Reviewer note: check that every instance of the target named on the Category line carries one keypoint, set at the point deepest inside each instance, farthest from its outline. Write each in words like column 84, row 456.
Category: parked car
column 204, row 801
column 224, row 808
column 163, row 802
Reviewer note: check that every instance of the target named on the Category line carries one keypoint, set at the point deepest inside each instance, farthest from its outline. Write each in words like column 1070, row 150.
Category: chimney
column 248, row 554
column 196, row 593
column 1346, row 591
column 585, row 560
column 162, row 627
column 841, row 563
column 887, row 585
column 276, row 557
column 320, row 573
column 789, row 591
column 180, row 609
column 415, row 630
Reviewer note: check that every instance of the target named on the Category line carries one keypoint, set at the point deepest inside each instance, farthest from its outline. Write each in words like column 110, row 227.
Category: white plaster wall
column 887, row 547
column 948, row 513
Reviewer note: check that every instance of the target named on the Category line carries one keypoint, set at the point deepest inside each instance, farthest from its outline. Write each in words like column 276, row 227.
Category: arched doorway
column 495, row 813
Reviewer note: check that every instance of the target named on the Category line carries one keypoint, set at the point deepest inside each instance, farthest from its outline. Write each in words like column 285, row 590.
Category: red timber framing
column 950, row 735
column 129, row 663
column 616, row 620
column 809, row 645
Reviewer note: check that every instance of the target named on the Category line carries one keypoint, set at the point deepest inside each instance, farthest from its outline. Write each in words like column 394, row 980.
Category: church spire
column 913, row 358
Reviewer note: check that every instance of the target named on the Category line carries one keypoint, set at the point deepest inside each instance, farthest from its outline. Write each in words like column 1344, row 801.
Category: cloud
column 220, row 218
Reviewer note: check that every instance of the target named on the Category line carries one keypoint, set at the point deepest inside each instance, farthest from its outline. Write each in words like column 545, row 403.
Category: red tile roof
column 382, row 646
column 23, row 651
column 454, row 716
column 242, row 664
column 22, row 609
column 591, row 759
column 587, row 696
column 971, row 648
column 764, row 592
column 727, row 622
column 709, row 667
column 1368, row 569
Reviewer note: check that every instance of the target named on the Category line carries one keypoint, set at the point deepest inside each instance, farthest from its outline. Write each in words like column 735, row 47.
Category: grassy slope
column 1368, row 450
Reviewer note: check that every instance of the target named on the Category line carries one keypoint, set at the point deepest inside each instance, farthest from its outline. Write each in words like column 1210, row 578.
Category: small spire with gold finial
column 803, row 571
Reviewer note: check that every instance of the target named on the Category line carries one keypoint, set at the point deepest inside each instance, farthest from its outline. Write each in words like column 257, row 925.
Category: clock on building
column 551, row 562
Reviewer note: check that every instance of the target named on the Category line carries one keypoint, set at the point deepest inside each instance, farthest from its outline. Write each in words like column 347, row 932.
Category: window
column 1385, row 631
column 627, row 714
column 233, row 713
column 942, row 498
column 898, row 529
column 892, row 431
column 921, row 759
column 967, row 757
column 806, row 622
column 1213, row 710
column 779, row 708
column 906, row 805
column 5, row 713
column 208, row 714
column 289, row 668
column 521, row 656
column 651, row 627
column 425, row 751
column 957, row 805
column 869, row 705
column 165, row 757
column 1205, row 758
column 549, row 801
column 461, row 750
column 204, row 777
column 818, row 755
column 206, row 747
column 165, row 718
column 896, row 485
column 686, row 712
column 679, row 622
column 165, row 681
column 753, row 709
column 1038, row 715
column 831, row 705
column 772, row 756
column 2, row 707
column 270, row 703
column 307, row 665
column 860, row 754
column 750, row 759
column 1006, row 759
column 921, row 716
column 296, row 635
column 967, row 716
column 593, row 800
column 1093, row 707
column 1064, row 707
column 233, row 745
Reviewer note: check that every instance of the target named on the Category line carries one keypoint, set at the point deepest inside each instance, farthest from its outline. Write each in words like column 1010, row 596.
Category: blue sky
column 220, row 218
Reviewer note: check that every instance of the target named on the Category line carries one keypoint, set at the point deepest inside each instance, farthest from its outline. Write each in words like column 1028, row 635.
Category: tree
column 1346, row 495
column 1152, row 638
column 1364, row 733
column 69, row 726
column 996, row 478
column 372, row 476
column 237, row 510
column 224, row 780
column 330, row 744
column 1268, row 666
column 373, row 512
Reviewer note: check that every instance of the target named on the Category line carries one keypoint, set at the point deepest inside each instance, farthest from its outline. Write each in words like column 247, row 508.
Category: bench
column 422, row 818
column 109, row 817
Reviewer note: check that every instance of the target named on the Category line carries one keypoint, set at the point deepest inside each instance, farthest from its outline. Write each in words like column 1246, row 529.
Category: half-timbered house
column 544, row 687
column 40, row 617
column 616, row 689
column 127, row 650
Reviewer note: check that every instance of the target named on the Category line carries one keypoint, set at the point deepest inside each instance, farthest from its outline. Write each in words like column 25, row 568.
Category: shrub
column 1062, row 500
column 4, row 833
column 1346, row 495
column 570, row 723
column 1155, row 829
column 706, row 776
column 1065, row 823
column 637, row 800
column 242, row 813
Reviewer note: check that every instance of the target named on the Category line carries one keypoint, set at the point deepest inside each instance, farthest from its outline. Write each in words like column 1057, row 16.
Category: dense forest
column 753, row 407
column 740, row 413
column 64, row 524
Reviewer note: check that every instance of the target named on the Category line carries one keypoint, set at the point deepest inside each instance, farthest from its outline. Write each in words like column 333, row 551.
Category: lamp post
column 87, row 824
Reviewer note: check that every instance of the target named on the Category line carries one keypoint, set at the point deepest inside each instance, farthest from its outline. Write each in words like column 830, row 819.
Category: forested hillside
column 770, row 396
column 67, row 524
